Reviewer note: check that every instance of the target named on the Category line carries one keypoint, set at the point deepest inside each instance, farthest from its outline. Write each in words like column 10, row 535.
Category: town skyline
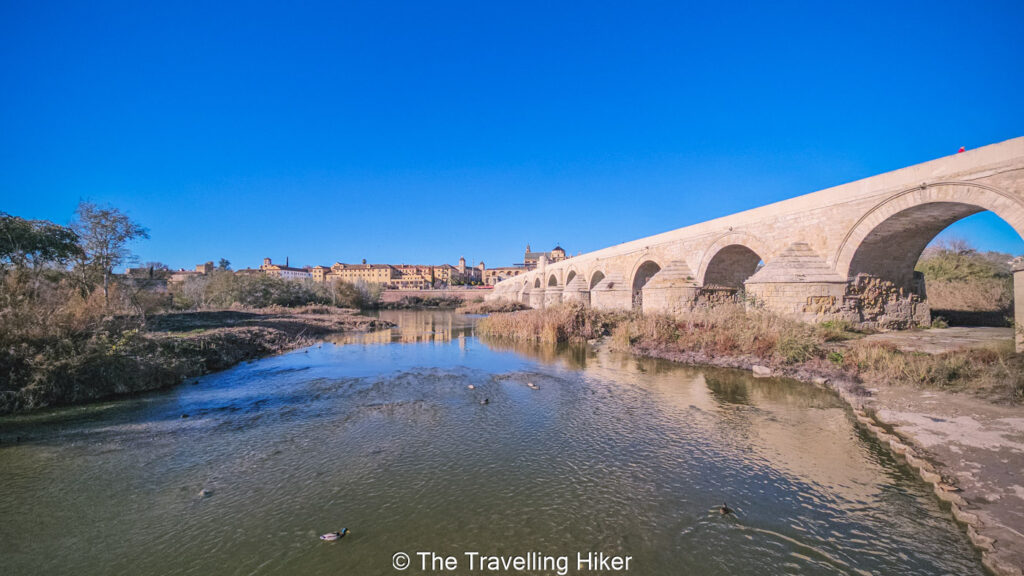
column 401, row 276
column 523, row 262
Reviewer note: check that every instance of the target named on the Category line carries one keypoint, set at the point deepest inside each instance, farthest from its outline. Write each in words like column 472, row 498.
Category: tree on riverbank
column 28, row 248
column 103, row 237
column 224, row 289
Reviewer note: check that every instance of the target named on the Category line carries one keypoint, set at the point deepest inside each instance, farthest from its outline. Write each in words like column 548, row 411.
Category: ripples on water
column 380, row 434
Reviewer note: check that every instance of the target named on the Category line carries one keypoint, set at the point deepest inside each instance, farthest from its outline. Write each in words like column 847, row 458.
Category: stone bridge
column 846, row 252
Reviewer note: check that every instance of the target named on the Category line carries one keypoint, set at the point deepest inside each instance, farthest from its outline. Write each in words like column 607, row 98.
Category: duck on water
column 332, row 536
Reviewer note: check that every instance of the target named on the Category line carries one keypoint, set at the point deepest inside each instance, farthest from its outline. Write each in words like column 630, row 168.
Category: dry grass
column 972, row 295
column 977, row 301
column 995, row 371
column 966, row 286
column 564, row 323
column 726, row 330
column 731, row 331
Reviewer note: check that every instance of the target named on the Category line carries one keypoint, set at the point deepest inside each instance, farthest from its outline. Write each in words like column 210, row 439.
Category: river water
column 380, row 434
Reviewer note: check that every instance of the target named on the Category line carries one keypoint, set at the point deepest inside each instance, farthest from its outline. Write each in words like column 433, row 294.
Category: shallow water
column 380, row 434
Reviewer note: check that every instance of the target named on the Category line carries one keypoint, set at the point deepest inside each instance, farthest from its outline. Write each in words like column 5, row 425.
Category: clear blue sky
column 422, row 131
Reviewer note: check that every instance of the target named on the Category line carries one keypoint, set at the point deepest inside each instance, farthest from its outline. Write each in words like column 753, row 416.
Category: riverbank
column 121, row 358
column 955, row 417
column 448, row 297
column 730, row 336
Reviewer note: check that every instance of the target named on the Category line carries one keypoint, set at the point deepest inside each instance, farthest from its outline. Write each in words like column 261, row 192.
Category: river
column 379, row 433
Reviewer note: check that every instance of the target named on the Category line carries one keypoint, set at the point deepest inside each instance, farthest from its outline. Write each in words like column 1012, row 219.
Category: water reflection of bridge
column 414, row 327
column 769, row 418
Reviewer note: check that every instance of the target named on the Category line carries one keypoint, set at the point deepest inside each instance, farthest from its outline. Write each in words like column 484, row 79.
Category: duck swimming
column 332, row 536
column 725, row 509
column 533, row 386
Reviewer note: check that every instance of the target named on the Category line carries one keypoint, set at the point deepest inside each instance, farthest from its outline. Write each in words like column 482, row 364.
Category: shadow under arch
column 642, row 274
column 570, row 276
column 888, row 240
column 730, row 260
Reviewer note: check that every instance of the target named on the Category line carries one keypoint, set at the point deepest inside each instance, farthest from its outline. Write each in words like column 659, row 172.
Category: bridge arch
column 642, row 272
column 536, row 282
column 569, row 276
column 596, row 278
column 888, row 240
column 553, row 280
column 731, row 259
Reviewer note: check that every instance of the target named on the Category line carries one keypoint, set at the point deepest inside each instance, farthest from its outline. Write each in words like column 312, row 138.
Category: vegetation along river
column 379, row 433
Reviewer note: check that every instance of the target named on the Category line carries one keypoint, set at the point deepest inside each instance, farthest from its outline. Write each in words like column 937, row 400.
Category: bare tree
column 104, row 234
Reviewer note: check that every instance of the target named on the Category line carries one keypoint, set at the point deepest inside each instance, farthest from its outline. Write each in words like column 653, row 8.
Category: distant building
column 531, row 258
column 180, row 275
column 400, row 276
column 492, row 276
column 285, row 272
column 412, row 277
column 369, row 273
column 319, row 273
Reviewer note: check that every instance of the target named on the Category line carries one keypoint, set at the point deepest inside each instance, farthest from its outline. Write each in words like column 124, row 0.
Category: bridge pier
column 1018, row 303
column 524, row 296
column 799, row 283
column 673, row 290
column 611, row 293
column 576, row 291
column 552, row 296
column 536, row 298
